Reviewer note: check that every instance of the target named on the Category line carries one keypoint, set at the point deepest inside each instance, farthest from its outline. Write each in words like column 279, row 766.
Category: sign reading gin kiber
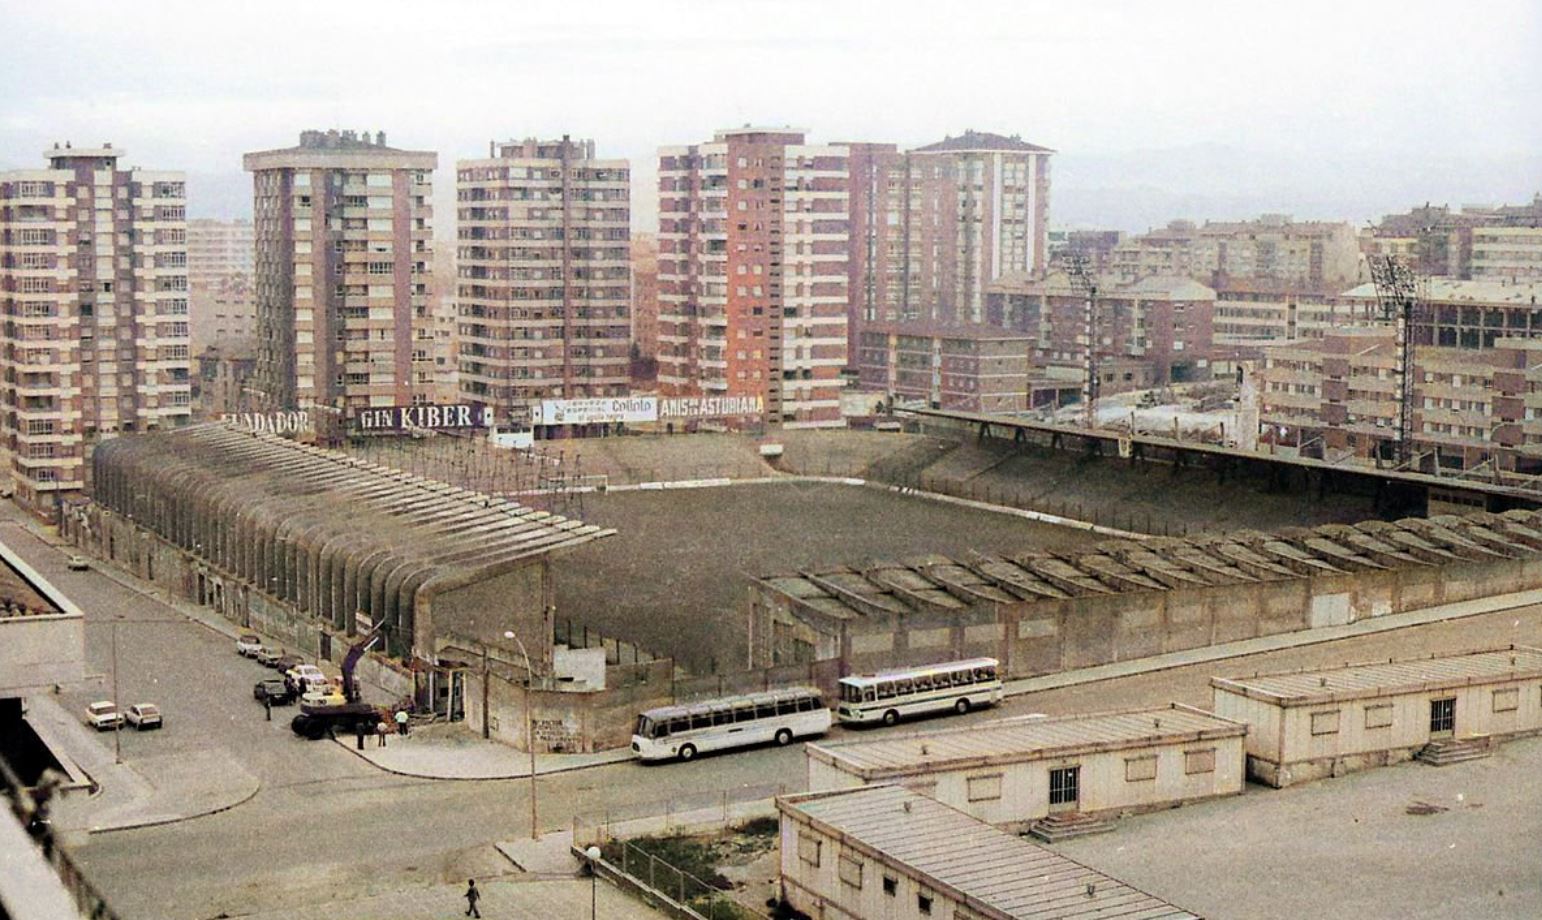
column 387, row 419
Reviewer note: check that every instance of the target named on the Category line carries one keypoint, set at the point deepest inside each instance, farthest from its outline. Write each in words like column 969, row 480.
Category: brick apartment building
column 343, row 228
column 93, row 280
column 969, row 368
column 1475, row 242
column 1154, row 331
column 1271, row 247
column 753, row 288
column 545, row 275
column 933, row 226
column 645, row 306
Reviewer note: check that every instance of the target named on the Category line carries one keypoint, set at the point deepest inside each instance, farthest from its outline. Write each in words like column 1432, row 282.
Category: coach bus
column 952, row 685
column 738, row 721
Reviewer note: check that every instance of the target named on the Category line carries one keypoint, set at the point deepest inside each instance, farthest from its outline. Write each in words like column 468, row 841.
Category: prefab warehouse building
column 1310, row 724
column 884, row 851
column 1014, row 771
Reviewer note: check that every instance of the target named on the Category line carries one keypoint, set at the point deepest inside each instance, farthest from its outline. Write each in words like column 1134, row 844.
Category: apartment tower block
column 544, row 293
column 343, row 228
column 93, row 281
column 754, row 234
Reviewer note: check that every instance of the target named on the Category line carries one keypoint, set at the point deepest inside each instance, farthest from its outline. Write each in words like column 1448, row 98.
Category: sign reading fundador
column 635, row 409
column 434, row 418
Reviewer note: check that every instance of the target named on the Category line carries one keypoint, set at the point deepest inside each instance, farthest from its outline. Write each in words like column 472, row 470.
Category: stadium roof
column 939, row 584
column 992, row 872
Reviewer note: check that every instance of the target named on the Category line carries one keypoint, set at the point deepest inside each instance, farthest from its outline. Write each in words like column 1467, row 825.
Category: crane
column 1079, row 268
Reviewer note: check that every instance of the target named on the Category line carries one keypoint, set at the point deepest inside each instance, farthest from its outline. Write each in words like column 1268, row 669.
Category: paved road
column 327, row 825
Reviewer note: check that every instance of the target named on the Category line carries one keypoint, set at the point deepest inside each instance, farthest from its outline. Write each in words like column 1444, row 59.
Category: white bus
column 694, row 728
column 887, row 695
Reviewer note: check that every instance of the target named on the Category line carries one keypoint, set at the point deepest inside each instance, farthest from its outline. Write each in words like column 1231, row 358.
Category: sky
column 1157, row 110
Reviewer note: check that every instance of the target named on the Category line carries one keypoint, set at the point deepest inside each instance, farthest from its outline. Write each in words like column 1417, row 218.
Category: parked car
column 285, row 663
column 248, row 645
column 78, row 563
column 273, row 690
column 300, row 674
column 103, row 715
column 267, row 657
column 144, row 715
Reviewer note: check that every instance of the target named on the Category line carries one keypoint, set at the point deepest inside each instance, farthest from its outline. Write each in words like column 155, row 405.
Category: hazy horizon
column 1157, row 112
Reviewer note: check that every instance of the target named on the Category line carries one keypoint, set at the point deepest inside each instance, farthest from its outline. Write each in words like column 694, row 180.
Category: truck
column 317, row 720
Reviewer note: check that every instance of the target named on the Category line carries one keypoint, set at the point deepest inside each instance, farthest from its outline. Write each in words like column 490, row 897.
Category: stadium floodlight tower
column 1397, row 293
column 1079, row 269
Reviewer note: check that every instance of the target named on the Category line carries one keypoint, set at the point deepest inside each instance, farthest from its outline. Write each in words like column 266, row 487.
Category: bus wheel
column 962, row 705
column 783, row 737
column 687, row 751
column 891, row 717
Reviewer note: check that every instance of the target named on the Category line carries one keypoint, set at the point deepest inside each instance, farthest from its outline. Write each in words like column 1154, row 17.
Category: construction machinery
column 317, row 720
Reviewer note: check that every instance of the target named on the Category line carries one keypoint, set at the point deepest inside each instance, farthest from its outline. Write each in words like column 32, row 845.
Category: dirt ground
column 675, row 577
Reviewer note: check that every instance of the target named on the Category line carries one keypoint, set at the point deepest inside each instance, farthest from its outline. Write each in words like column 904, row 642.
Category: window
column 1443, row 715
column 1199, row 761
column 1325, row 723
column 924, row 904
column 849, row 870
column 1140, row 769
column 890, row 886
column 808, row 848
column 1063, row 785
column 984, row 788
column 1378, row 716
column 1507, row 700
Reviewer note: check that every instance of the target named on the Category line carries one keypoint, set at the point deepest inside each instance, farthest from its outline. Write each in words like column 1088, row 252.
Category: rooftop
column 1442, row 290
column 1020, row 739
column 939, row 584
column 991, row 871
column 318, row 148
column 1389, row 678
column 981, row 140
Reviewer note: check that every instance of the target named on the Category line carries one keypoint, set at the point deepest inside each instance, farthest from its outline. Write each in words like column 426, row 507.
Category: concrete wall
column 1367, row 733
column 568, row 722
column 38, row 651
column 1017, row 793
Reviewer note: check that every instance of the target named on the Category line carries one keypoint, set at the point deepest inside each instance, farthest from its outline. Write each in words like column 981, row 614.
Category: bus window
column 786, row 707
column 850, row 693
column 904, row 686
column 982, row 673
column 658, row 729
column 990, row 673
column 678, row 724
column 723, row 717
column 869, row 695
column 701, row 720
column 808, row 704
column 644, row 727
column 886, row 690
column 765, row 710
column 744, row 713
column 923, row 683
column 958, row 678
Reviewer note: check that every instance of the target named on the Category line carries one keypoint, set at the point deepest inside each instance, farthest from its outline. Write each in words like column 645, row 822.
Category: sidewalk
column 546, row 899
column 1272, row 643
column 456, row 752
column 152, row 790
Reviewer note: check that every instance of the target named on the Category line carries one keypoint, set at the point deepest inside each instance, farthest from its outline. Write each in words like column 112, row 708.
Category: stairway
column 1067, row 826
column 1454, row 750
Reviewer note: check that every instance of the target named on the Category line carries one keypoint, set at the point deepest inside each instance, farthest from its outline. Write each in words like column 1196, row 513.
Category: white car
column 302, row 676
column 248, row 644
column 144, row 715
column 103, row 715
column 77, row 563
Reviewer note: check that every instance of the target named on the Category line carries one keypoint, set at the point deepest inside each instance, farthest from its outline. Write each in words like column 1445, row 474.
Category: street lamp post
column 117, row 705
column 535, row 830
column 593, row 855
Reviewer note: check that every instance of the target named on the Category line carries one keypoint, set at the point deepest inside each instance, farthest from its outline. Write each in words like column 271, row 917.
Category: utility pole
column 535, row 830
column 117, row 705
column 1079, row 269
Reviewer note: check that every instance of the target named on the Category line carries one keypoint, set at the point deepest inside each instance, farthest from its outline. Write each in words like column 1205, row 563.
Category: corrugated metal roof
column 1020, row 739
column 992, row 871
column 1388, row 678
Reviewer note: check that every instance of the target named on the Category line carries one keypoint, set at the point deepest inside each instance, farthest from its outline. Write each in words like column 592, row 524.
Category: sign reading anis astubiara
column 430, row 417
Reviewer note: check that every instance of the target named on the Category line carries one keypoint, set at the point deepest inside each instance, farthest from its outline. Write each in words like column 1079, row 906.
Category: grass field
column 675, row 577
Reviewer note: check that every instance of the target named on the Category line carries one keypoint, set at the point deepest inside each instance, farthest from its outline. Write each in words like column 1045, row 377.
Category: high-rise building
column 343, row 264
column 645, row 306
column 754, row 237
column 93, row 280
column 544, row 291
column 221, row 310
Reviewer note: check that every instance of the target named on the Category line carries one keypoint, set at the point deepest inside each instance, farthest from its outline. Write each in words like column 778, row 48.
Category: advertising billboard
column 599, row 410
column 387, row 419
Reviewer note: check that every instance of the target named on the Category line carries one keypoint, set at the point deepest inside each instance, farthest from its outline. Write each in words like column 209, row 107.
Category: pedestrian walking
column 472, row 897
column 401, row 722
column 267, row 703
column 380, row 732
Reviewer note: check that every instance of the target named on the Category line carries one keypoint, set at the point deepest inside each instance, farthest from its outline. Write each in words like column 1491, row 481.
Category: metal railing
column 705, row 900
